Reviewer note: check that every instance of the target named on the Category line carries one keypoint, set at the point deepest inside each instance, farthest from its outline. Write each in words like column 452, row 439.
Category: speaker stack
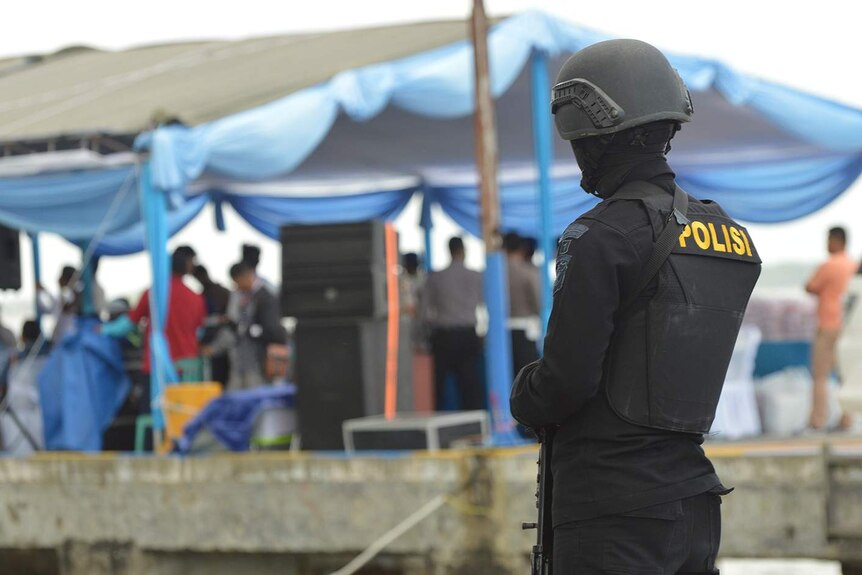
column 334, row 284
column 10, row 259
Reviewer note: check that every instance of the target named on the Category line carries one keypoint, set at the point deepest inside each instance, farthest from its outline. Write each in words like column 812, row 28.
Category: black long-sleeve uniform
column 602, row 464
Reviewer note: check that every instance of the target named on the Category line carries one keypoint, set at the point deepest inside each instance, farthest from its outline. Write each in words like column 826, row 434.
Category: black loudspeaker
column 10, row 258
column 341, row 374
column 334, row 271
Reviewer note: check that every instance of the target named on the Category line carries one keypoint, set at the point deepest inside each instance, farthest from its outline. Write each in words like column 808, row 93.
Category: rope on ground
column 391, row 535
column 411, row 521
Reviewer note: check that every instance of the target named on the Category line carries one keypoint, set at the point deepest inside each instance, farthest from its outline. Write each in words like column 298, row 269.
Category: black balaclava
column 606, row 161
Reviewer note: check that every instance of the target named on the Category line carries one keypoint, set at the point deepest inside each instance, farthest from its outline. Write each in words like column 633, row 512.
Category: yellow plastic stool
column 183, row 401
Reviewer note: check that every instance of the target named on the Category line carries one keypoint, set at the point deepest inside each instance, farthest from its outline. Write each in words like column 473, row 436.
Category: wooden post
column 485, row 131
column 498, row 345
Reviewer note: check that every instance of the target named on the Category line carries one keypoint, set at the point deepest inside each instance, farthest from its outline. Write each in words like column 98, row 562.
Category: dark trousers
column 524, row 351
column 677, row 538
column 456, row 352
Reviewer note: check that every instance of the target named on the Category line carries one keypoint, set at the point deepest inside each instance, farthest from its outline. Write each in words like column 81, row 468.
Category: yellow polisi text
column 717, row 238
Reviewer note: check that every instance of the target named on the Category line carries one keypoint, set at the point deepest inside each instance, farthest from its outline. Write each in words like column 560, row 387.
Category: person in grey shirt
column 524, row 302
column 7, row 338
column 254, row 316
column 448, row 305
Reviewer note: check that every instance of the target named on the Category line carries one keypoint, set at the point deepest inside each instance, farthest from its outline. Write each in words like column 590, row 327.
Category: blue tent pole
column 427, row 264
column 428, row 249
column 428, row 230
column 542, row 146
column 37, row 273
column 154, row 207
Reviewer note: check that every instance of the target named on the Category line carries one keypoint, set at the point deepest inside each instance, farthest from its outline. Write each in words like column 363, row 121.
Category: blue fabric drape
column 274, row 139
column 71, row 204
column 520, row 210
column 155, row 208
column 76, row 204
column 774, row 191
column 765, row 192
column 133, row 239
column 254, row 145
column 266, row 214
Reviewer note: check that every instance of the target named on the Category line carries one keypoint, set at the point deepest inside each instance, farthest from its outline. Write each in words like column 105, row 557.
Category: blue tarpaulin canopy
column 358, row 145
column 767, row 152
column 380, row 132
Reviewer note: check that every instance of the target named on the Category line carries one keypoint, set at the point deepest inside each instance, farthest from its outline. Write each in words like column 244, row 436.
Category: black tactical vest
column 670, row 351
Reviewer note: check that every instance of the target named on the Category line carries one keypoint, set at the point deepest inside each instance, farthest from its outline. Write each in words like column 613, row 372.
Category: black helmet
column 615, row 85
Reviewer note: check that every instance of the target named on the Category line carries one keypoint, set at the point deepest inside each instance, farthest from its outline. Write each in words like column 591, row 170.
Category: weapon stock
column 543, row 550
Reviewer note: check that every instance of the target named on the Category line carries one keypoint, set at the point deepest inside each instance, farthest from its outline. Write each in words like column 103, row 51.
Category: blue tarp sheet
column 230, row 417
column 81, row 387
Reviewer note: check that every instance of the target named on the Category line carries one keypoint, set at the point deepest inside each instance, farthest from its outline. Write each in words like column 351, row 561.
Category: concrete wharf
column 311, row 513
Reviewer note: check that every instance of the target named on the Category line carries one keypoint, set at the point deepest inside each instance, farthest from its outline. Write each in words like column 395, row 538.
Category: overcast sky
column 814, row 46
column 811, row 46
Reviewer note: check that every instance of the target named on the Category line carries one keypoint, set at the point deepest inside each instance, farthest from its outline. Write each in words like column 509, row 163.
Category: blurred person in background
column 189, row 254
column 829, row 283
column 254, row 318
column 186, row 313
column 7, row 338
column 64, row 306
column 100, row 303
column 849, row 352
column 250, row 254
column 131, row 345
column 30, row 334
column 410, row 284
column 217, row 298
column 8, row 353
column 215, row 295
column 524, row 301
column 530, row 247
column 449, row 303
column 21, row 424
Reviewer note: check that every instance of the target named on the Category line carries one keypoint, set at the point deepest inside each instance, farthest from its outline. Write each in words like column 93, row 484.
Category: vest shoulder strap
column 663, row 246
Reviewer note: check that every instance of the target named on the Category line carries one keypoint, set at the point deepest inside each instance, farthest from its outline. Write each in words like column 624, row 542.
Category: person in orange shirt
column 829, row 283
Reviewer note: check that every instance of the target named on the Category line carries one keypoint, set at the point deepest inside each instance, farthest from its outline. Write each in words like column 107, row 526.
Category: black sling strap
column 663, row 246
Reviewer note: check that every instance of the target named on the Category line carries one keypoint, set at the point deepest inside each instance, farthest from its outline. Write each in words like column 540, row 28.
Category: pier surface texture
column 310, row 514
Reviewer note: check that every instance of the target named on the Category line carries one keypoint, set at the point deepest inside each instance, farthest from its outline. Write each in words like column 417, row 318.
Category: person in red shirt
column 829, row 283
column 186, row 313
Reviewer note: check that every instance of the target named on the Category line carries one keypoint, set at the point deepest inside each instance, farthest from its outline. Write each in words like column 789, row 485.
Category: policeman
column 650, row 292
